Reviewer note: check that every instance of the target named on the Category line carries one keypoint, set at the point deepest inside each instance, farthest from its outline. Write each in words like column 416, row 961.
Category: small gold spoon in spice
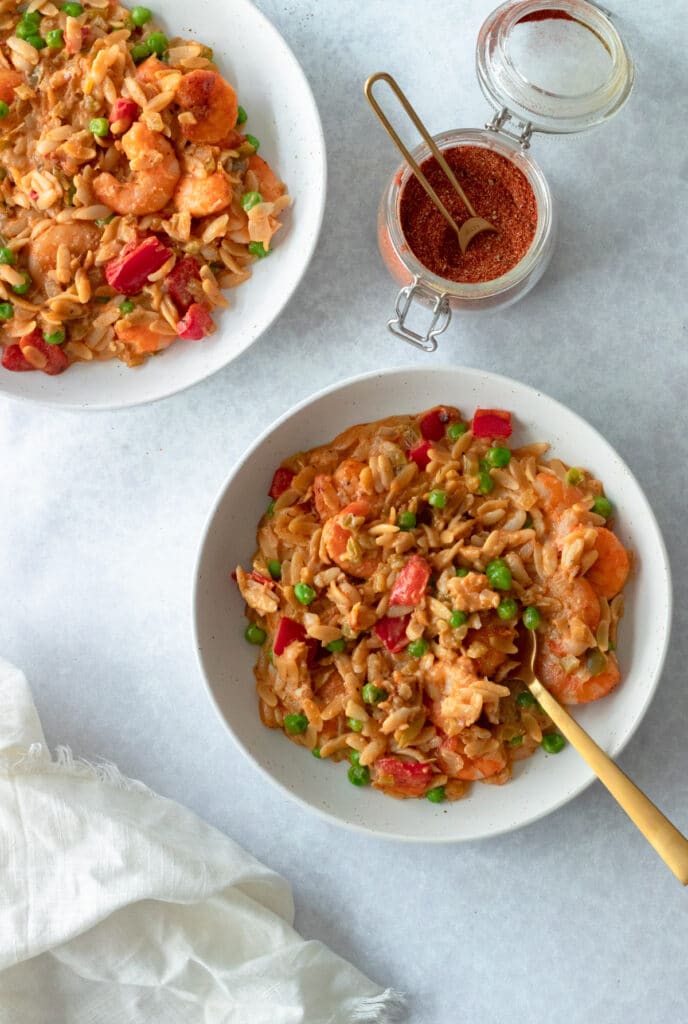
column 475, row 224
column 666, row 839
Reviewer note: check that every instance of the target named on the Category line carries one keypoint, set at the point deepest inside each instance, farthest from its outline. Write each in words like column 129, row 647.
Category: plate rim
column 615, row 748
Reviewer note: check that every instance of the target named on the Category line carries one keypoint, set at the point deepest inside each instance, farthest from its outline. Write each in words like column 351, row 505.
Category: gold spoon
column 475, row 224
column 669, row 843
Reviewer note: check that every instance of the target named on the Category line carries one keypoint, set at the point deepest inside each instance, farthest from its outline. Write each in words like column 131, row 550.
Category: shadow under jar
column 555, row 67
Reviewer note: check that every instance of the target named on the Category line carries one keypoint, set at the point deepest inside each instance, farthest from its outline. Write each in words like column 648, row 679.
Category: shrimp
column 202, row 197
column 141, row 338
column 571, row 629
column 555, row 494
column 154, row 174
column 9, row 80
column 575, row 687
column 269, row 185
column 453, row 760
column 330, row 493
column 148, row 71
column 79, row 237
column 211, row 101
column 609, row 572
column 343, row 546
column 458, row 693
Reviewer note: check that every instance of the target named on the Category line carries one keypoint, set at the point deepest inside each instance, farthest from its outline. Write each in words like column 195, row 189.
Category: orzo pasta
column 131, row 194
column 397, row 568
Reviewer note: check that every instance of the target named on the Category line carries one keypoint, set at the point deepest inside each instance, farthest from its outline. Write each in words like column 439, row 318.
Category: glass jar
column 554, row 67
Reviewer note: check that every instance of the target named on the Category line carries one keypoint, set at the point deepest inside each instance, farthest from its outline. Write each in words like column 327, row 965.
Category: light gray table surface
column 571, row 918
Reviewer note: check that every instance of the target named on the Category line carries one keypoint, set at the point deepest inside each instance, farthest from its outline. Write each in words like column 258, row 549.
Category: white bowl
column 283, row 115
column 541, row 783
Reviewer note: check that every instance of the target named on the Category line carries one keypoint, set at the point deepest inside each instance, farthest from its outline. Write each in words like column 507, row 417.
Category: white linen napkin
column 120, row 907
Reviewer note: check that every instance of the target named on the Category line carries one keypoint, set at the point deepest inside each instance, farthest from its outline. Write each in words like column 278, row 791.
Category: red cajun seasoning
column 498, row 190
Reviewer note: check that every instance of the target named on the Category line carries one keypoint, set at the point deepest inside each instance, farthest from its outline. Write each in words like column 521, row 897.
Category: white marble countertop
column 573, row 917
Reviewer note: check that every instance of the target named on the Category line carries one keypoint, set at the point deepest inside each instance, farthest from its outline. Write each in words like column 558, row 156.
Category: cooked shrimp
column 154, row 174
column 141, row 338
column 149, row 70
column 343, row 546
column 78, row 236
column 609, row 572
column 269, row 185
column 556, row 495
column 571, row 628
column 9, row 80
column 458, row 693
column 202, row 197
column 212, row 102
column 575, row 687
column 453, row 760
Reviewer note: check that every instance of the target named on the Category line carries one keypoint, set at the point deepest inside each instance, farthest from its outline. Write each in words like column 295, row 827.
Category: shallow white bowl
column 541, row 783
column 283, row 115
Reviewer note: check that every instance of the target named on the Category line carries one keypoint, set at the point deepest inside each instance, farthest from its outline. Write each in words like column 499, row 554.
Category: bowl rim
column 614, row 748
column 308, row 253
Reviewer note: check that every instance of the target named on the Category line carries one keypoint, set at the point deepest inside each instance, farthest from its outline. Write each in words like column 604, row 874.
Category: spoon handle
column 669, row 843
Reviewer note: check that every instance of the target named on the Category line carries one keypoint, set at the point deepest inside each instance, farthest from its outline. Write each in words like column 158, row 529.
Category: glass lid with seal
column 558, row 66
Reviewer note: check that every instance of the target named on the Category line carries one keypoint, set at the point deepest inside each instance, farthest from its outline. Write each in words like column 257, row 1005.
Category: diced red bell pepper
column 124, row 110
column 129, row 272
column 13, row 359
column 410, row 778
column 56, row 360
column 196, row 323
column 281, row 481
column 491, row 423
column 392, row 632
column 288, row 631
column 177, row 281
column 409, row 586
column 434, row 424
column 420, row 454
column 259, row 578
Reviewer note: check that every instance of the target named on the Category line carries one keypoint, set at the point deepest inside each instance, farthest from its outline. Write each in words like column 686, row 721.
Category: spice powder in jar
column 499, row 192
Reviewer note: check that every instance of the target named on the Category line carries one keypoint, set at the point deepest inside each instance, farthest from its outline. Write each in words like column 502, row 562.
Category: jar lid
column 553, row 67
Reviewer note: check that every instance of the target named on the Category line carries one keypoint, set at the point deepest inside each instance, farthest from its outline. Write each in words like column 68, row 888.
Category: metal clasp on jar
column 423, row 296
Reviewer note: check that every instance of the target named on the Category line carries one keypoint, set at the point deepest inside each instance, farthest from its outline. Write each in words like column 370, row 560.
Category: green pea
column 417, row 648
column 358, row 775
column 250, row 199
column 55, row 38
column 38, row 42
column 254, row 634
column 336, row 646
column 596, row 662
column 275, row 568
column 373, row 694
column 516, row 741
column 32, row 18
column 485, row 465
column 7, row 256
column 25, row 286
column 126, row 307
column 303, row 593
column 270, row 510
column 72, row 10
column 602, row 507
column 498, row 457
column 316, row 752
column 553, row 743
column 355, row 756
column 406, row 520
column 4, row 110
column 242, row 116
column 355, row 724
column 158, row 43
column 258, row 249
column 531, row 617
column 508, row 608
column 525, row 699
column 456, row 430
column 437, row 498
column 6, row 310
column 140, row 15
column 99, row 126
column 574, row 476
column 461, row 571
column 25, row 29
column 254, row 142
column 139, row 52
column 295, row 724
column 498, row 574
column 485, row 482
column 56, row 338
column 458, row 619
column 436, row 795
